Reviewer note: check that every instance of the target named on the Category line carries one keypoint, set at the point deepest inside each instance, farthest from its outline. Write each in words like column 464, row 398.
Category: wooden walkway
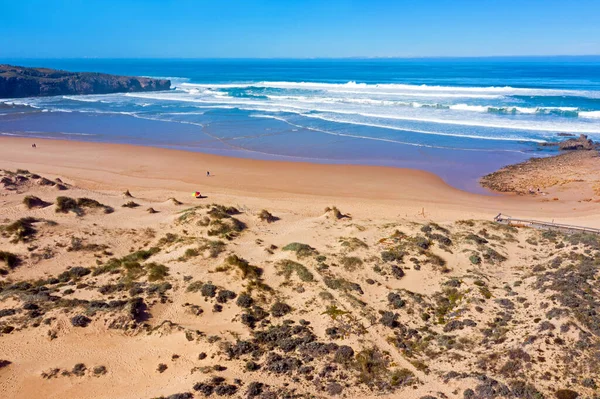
column 536, row 224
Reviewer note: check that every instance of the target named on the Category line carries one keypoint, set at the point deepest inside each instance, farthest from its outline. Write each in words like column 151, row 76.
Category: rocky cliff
column 18, row 81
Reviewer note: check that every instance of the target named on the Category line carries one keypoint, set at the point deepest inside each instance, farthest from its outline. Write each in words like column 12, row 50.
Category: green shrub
column 195, row 286
column 393, row 255
column 31, row 201
column 222, row 212
column 91, row 203
column 214, row 247
column 169, row 238
column 286, row 267
column 371, row 365
column 475, row 259
column 402, row 377
column 301, row 250
column 191, row 253
column 66, row 205
column 248, row 271
column 156, row 271
column 351, row 263
column 353, row 243
column 140, row 255
column 226, row 228
column 22, row 229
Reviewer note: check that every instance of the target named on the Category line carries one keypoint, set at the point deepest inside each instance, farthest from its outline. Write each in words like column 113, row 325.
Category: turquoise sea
column 458, row 118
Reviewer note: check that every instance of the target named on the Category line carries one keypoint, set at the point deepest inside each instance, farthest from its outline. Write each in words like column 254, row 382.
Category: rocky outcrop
column 580, row 143
column 18, row 81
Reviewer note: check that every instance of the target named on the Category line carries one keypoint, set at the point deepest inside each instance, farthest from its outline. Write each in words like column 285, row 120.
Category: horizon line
column 311, row 58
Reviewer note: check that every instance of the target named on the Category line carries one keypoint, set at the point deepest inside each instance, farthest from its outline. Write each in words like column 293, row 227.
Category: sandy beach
column 366, row 190
column 392, row 283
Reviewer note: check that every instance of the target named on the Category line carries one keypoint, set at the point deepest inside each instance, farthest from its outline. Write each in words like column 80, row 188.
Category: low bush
column 130, row 204
column 156, row 271
column 22, row 229
column 31, row 201
column 66, row 205
column 247, row 270
column 214, row 248
column 80, row 321
column 280, row 309
column 91, row 203
column 266, row 216
column 287, row 267
column 226, row 228
column 11, row 260
column 351, row 263
column 301, row 250
column 393, row 255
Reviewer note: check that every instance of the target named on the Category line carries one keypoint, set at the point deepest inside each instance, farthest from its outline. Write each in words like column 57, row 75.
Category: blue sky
column 297, row 29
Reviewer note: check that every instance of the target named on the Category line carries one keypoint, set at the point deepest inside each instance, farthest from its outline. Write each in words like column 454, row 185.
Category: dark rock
column 581, row 143
column 18, row 81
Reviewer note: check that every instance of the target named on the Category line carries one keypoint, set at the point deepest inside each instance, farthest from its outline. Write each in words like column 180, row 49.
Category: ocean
column 458, row 118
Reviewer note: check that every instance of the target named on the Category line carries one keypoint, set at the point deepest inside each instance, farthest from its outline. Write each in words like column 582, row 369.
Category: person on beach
column 207, row 173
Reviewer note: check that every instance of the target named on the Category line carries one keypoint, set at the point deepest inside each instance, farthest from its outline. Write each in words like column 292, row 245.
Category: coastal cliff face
column 18, row 81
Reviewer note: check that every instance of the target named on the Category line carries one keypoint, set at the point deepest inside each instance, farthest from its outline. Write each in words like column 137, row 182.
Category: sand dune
column 410, row 291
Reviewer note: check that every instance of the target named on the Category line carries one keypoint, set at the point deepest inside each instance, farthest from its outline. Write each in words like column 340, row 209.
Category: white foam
column 390, row 88
column 383, row 126
column 465, row 107
column 590, row 114
column 82, row 98
column 491, row 121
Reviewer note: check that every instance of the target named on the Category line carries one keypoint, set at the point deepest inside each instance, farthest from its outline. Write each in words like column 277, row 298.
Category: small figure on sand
column 207, row 173
column 33, row 145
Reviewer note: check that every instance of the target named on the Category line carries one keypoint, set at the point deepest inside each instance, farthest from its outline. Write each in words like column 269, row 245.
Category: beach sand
column 364, row 190
column 469, row 300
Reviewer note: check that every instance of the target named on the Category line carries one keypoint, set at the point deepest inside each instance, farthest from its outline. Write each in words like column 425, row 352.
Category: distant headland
column 16, row 81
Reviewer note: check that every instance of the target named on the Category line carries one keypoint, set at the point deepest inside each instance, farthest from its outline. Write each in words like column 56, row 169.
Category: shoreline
column 366, row 189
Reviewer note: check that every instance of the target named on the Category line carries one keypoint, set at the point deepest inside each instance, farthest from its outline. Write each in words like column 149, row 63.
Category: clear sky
column 297, row 28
